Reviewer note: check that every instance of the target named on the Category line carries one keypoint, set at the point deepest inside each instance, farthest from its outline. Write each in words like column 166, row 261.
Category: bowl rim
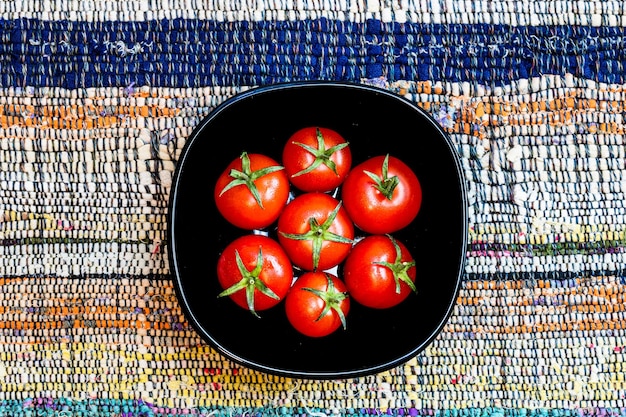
column 175, row 273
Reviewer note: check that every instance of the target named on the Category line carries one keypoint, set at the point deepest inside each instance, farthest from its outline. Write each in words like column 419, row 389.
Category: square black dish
column 375, row 122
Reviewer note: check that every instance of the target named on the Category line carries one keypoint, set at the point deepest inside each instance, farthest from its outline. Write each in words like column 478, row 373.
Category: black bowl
column 375, row 122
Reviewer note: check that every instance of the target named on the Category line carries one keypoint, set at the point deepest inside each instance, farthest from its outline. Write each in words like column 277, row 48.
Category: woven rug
column 97, row 99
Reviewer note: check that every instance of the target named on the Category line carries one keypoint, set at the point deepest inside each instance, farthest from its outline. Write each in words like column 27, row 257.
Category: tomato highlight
column 317, row 159
column 382, row 195
column 315, row 231
column 252, row 191
column 255, row 272
column 380, row 272
column 317, row 304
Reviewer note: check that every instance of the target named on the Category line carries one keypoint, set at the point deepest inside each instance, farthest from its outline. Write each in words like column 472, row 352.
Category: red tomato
column 252, row 191
column 382, row 195
column 379, row 272
column 317, row 159
column 255, row 272
column 315, row 231
column 317, row 304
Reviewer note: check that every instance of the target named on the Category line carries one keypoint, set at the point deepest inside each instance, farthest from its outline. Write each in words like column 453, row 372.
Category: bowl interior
column 375, row 122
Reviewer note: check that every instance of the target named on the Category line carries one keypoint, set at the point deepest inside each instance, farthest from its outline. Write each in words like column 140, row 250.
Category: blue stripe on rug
column 193, row 53
column 140, row 408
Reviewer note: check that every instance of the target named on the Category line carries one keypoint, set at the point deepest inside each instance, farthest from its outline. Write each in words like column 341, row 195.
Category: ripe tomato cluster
column 315, row 203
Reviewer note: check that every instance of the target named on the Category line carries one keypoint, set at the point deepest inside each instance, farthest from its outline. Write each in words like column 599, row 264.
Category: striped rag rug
column 98, row 97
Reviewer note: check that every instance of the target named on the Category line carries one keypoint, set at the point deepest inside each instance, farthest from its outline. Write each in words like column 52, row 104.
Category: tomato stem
column 321, row 154
column 250, row 282
column 247, row 177
column 383, row 183
column 332, row 300
column 399, row 268
column 318, row 234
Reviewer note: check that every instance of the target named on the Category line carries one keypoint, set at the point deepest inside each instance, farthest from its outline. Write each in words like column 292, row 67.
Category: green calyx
column 249, row 282
column 321, row 154
column 318, row 234
column 332, row 300
column 399, row 268
column 384, row 183
column 247, row 177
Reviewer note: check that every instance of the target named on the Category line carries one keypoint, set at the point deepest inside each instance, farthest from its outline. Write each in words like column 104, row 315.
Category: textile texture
column 98, row 98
